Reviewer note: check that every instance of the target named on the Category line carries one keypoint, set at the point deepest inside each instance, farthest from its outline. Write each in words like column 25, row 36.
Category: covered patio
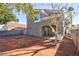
column 51, row 26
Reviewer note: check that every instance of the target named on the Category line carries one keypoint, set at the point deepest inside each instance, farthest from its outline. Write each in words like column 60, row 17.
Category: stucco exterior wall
column 35, row 28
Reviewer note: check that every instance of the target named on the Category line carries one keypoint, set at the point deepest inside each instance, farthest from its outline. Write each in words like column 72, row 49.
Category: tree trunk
column 49, row 23
column 5, row 27
column 71, row 25
column 56, row 32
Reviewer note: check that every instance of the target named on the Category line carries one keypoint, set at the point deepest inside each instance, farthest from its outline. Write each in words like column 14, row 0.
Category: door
column 46, row 31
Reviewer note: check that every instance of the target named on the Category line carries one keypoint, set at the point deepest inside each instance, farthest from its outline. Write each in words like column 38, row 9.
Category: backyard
column 33, row 28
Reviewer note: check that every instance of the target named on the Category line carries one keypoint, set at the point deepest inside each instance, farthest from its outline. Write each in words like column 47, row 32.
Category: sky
column 22, row 17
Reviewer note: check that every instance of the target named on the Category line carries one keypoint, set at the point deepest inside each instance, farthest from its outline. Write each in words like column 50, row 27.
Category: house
column 13, row 28
column 43, row 21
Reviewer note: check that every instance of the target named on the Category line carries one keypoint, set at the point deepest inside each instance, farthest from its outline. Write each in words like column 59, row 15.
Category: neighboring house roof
column 15, row 25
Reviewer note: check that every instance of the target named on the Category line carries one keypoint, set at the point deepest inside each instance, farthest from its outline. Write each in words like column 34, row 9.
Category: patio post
column 56, row 33
column 64, row 29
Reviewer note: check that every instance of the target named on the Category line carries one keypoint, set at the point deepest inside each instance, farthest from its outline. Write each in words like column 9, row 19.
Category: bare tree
column 67, row 14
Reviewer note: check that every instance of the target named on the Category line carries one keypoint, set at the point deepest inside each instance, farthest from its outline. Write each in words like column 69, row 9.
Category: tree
column 70, row 14
column 6, row 15
column 26, row 8
column 67, row 10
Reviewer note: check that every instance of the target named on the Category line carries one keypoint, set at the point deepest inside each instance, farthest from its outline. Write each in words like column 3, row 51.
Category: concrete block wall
column 11, row 32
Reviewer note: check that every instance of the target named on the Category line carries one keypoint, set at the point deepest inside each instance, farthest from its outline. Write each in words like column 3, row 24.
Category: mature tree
column 69, row 18
column 67, row 10
column 26, row 8
column 6, row 15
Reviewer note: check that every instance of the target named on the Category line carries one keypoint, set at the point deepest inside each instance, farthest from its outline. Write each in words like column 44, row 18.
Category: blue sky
column 22, row 17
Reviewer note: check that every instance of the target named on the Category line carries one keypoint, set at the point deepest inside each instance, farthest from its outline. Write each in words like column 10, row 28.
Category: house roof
column 50, row 14
column 49, row 11
column 15, row 25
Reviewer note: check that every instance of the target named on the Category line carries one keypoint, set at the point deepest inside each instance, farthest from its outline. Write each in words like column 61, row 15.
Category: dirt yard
column 25, row 45
column 66, row 48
